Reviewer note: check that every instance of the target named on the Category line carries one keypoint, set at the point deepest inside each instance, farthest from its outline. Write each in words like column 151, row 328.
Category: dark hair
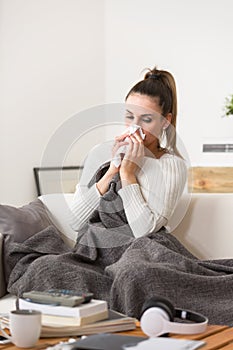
column 160, row 85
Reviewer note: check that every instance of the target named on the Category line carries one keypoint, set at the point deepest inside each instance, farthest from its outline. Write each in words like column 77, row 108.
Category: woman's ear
column 167, row 121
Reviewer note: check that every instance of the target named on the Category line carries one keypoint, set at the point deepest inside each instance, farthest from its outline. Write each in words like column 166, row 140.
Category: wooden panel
column 221, row 338
column 211, row 179
column 211, row 330
column 228, row 347
column 217, row 341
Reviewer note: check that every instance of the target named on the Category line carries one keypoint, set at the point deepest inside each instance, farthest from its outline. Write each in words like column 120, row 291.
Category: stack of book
column 89, row 318
column 80, row 315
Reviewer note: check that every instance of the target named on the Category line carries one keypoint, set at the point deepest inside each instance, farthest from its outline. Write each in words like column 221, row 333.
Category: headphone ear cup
column 160, row 302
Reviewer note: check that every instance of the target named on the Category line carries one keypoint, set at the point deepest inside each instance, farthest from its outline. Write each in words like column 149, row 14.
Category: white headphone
column 158, row 318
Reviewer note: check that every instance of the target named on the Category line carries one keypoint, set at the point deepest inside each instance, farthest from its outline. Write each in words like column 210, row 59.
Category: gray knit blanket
column 108, row 261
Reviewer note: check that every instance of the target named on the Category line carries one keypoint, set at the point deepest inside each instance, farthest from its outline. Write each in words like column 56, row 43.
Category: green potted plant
column 228, row 107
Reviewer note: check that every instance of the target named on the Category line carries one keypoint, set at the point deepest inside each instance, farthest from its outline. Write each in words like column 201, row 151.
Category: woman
column 123, row 253
column 152, row 177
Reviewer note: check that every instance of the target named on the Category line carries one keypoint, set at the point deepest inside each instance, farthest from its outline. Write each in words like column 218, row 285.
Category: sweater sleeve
column 150, row 203
column 85, row 201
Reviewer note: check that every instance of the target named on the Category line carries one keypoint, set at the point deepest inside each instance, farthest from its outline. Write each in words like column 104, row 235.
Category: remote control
column 87, row 296
column 53, row 298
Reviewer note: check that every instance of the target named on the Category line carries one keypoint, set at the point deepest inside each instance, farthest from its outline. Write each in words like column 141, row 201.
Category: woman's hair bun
column 153, row 74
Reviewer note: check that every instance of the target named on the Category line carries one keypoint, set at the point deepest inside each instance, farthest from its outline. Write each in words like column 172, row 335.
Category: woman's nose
column 137, row 121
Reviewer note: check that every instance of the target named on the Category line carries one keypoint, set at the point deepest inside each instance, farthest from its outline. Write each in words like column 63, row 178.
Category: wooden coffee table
column 216, row 337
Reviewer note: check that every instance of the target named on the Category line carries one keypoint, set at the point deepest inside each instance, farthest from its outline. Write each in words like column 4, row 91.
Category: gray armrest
column 2, row 281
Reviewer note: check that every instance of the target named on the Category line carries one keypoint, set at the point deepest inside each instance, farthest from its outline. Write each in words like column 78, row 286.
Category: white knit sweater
column 148, row 205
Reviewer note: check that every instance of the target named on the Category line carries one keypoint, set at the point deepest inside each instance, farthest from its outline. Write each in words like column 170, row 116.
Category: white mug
column 25, row 328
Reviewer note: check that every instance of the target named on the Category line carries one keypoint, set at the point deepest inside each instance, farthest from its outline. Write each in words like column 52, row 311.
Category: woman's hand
column 119, row 142
column 132, row 160
column 103, row 183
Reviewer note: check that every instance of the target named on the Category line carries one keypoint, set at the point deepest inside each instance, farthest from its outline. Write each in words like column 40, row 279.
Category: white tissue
column 122, row 150
column 133, row 128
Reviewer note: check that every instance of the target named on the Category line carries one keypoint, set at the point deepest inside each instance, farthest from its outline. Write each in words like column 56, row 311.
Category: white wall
column 192, row 39
column 59, row 57
column 52, row 66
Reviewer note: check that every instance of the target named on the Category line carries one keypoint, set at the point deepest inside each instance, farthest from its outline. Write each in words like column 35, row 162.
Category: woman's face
column 145, row 112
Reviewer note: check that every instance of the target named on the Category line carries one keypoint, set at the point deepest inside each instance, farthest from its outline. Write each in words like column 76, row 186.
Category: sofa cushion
column 18, row 224
column 21, row 223
column 58, row 205
column 207, row 227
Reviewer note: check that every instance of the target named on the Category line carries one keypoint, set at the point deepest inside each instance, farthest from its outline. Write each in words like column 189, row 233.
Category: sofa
column 203, row 222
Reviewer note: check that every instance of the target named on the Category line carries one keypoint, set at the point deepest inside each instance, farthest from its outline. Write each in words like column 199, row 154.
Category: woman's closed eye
column 129, row 116
column 146, row 119
column 143, row 119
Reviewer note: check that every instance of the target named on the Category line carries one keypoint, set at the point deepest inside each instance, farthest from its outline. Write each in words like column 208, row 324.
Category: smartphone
column 4, row 340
